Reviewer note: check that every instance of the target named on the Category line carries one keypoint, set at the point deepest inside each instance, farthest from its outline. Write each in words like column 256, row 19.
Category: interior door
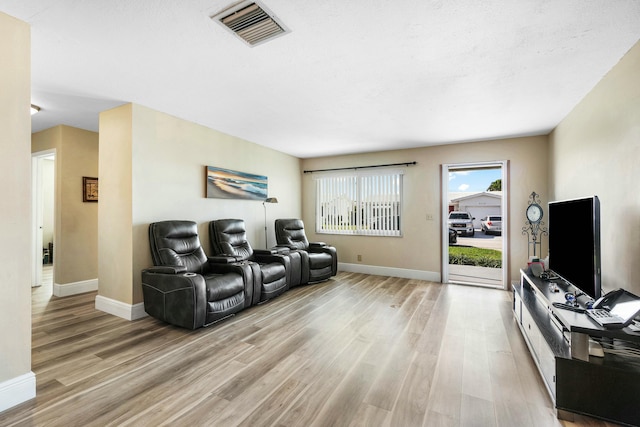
column 38, row 212
column 37, row 219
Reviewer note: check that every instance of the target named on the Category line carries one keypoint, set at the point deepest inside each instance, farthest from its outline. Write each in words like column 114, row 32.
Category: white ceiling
column 352, row 76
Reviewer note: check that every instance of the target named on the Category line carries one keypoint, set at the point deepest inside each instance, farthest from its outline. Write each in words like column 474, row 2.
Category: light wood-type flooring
column 357, row 350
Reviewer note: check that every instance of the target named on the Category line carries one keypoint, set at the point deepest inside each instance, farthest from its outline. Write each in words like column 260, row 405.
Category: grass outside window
column 467, row 255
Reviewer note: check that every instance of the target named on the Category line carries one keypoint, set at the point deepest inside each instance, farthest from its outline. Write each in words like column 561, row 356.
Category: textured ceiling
column 352, row 76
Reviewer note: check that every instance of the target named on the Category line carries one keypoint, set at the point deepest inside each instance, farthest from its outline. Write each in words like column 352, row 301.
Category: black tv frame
column 574, row 243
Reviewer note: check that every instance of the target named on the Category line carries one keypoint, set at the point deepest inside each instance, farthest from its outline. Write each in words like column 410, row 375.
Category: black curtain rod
column 362, row 167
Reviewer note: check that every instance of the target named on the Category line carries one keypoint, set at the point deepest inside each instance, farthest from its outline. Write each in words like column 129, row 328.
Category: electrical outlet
column 429, row 217
column 359, row 257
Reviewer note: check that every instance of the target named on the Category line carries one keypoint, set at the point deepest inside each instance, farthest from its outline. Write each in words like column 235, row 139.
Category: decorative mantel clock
column 534, row 227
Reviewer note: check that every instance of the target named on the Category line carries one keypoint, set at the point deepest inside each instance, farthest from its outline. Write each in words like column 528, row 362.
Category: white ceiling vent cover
column 252, row 22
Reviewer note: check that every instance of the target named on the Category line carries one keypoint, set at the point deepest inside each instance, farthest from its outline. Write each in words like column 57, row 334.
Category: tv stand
column 602, row 387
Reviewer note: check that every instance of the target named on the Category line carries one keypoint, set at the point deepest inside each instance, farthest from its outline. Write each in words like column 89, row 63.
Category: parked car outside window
column 462, row 222
column 491, row 224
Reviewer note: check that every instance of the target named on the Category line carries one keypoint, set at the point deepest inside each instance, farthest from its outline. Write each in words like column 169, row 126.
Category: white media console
column 603, row 387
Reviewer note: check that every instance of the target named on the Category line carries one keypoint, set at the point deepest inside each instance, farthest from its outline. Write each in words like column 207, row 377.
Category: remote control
column 568, row 307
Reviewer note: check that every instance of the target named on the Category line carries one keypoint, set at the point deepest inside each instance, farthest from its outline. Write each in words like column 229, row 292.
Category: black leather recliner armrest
column 317, row 245
column 280, row 250
column 224, row 259
column 167, row 269
column 272, row 251
column 262, row 256
column 179, row 299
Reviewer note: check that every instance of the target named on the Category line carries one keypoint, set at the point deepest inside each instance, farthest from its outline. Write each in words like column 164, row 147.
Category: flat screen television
column 574, row 243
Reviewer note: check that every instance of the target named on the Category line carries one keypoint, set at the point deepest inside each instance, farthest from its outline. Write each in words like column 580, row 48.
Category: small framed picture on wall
column 89, row 189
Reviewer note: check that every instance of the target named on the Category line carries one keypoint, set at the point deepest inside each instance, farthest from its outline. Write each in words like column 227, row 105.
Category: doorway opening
column 43, row 216
column 475, row 224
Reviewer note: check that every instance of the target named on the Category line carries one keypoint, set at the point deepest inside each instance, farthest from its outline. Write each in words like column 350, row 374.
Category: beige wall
column 15, row 196
column 76, row 222
column 420, row 247
column 596, row 150
column 115, row 247
column 165, row 158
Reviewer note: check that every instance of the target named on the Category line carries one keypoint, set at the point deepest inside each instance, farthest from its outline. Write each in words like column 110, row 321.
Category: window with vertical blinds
column 362, row 203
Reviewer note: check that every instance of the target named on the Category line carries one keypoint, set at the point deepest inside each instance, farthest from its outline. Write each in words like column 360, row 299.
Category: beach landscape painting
column 229, row 184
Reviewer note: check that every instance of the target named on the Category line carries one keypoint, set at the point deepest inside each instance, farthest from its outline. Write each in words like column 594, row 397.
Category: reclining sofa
column 188, row 289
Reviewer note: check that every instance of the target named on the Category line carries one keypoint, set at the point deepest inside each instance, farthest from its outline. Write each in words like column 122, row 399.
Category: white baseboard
column 75, row 288
column 136, row 311
column 17, row 390
column 431, row 276
column 120, row 309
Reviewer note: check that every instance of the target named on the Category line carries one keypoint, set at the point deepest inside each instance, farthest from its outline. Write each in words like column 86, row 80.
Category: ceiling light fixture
column 252, row 22
column 34, row 109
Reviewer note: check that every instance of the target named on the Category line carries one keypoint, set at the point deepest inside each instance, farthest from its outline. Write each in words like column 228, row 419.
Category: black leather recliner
column 229, row 239
column 183, row 289
column 321, row 260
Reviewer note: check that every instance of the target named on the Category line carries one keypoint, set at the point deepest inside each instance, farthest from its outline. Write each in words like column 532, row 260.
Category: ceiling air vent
column 252, row 22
